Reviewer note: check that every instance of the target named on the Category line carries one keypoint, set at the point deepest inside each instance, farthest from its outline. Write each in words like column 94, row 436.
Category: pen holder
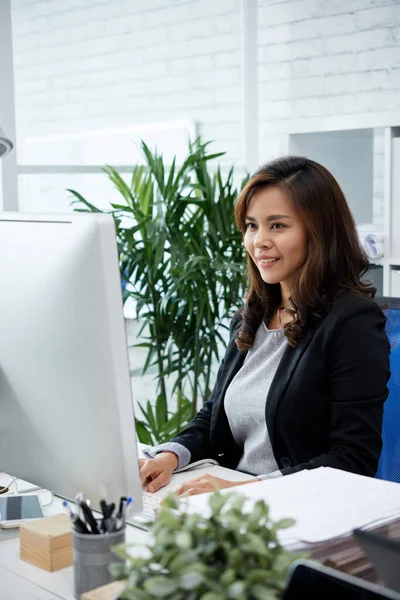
column 92, row 557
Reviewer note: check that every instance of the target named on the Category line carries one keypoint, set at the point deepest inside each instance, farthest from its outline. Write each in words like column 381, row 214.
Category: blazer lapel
column 284, row 372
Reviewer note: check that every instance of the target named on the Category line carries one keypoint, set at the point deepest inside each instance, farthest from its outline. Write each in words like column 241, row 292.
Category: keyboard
column 151, row 504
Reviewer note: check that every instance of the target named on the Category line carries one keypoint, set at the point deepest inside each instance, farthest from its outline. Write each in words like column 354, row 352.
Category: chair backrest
column 389, row 462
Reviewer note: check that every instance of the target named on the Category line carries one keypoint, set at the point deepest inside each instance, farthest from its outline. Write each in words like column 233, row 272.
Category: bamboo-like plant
column 181, row 259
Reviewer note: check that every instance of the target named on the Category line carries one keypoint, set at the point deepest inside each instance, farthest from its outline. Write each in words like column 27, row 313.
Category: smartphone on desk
column 16, row 509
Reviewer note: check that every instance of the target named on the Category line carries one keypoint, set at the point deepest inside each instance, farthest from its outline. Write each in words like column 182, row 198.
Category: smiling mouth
column 267, row 262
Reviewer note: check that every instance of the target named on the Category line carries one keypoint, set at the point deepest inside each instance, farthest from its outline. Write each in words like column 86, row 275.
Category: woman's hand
column 157, row 471
column 208, row 483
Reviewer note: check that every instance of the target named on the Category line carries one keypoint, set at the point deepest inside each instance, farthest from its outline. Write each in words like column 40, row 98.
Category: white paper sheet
column 324, row 502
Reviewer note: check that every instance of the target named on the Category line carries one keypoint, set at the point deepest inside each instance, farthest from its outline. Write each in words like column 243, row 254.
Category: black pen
column 119, row 520
column 104, row 508
column 77, row 523
column 124, row 510
column 121, row 507
column 107, row 510
column 89, row 518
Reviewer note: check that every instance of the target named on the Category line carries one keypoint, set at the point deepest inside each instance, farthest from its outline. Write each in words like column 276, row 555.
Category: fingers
column 194, row 492
column 158, row 482
column 203, row 484
column 193, row 487
column 190, row 492
column 204, row 477
column 147, row 469
column 155, row 472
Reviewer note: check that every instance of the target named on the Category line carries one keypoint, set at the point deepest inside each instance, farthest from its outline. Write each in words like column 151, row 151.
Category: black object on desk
column 89, row 518
column 77, row 523
column 312, row 581
column 84, row 521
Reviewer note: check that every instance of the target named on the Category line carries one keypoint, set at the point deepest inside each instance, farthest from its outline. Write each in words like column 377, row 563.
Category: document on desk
column 324, row 502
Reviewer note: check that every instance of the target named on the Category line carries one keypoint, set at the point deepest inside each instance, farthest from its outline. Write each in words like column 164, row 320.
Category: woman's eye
column 250, row 226
column 277, row 226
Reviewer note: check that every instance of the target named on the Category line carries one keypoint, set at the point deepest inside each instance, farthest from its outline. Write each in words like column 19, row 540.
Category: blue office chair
column 389, row 462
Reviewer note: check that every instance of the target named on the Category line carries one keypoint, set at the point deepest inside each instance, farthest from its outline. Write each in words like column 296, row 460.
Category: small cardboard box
column 105, row 592
column 47, row 543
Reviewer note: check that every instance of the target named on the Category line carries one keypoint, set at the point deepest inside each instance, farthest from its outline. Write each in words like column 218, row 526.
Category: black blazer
column 325, row 403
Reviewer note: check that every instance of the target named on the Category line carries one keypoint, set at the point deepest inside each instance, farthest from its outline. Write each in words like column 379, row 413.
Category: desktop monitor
column 66, row 411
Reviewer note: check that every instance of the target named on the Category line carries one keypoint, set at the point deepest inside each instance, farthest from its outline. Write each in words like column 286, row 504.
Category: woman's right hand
column 156, row 472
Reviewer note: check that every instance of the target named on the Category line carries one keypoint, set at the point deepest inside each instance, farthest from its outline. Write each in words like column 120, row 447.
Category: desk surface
column 17, row 576
column 22, row 581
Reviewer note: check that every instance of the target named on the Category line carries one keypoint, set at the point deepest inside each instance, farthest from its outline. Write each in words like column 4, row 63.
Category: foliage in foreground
column 230, row 554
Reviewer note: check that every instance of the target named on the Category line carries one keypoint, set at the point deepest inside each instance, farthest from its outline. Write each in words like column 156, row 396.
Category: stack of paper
column 324, row 502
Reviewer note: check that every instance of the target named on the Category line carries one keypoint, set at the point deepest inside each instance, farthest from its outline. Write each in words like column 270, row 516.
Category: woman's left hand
column 207, row 483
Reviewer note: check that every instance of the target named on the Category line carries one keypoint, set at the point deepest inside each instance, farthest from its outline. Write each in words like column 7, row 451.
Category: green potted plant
column 182, row 261
column 229, row 554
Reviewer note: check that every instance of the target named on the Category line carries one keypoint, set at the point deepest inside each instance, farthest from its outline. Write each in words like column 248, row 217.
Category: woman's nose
column 262, row 239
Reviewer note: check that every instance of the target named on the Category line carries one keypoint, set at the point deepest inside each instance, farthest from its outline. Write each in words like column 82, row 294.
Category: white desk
column 325, row 503
column 20, row 580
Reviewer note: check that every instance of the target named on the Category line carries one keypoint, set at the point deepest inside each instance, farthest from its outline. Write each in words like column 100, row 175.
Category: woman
column 303, row 381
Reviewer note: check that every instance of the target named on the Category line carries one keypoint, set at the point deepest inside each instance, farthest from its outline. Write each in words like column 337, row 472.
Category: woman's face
column 275, row 236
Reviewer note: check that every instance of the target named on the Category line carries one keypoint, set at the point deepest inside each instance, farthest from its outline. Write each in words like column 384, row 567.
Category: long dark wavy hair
column 335, row 261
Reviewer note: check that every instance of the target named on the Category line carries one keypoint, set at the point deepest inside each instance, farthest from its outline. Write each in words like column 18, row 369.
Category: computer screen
column 67, row 421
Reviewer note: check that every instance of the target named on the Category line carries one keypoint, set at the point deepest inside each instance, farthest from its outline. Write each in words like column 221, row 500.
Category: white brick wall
column 88, row 64
column 97, row 63
column 326, row 61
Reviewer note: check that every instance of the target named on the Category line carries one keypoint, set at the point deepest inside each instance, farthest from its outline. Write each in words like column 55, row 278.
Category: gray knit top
column 245, row 401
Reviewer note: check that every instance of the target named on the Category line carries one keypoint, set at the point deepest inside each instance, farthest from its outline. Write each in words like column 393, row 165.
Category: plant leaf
column 160, row 587
column 261, row 592
column 191, row 580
